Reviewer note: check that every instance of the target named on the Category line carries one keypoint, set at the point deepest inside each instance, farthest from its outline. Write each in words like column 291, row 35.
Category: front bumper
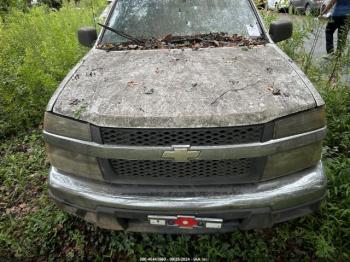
column 242, row 206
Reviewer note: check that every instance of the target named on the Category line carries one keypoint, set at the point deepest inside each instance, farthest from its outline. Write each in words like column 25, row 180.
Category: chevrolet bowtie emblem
column 181, row 154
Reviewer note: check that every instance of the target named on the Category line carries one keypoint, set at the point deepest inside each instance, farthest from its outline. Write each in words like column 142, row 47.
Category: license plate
column 185, row 222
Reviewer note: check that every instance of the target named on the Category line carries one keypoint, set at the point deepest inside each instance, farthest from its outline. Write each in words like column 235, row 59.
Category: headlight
column 298, row 159
column 63, row 126
column 67, row 161
column 300, row 123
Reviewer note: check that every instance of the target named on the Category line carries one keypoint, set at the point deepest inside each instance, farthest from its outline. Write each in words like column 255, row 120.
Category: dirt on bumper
column 247, row 207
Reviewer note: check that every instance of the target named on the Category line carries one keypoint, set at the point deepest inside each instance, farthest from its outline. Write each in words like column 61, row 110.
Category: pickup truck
column 185, row 117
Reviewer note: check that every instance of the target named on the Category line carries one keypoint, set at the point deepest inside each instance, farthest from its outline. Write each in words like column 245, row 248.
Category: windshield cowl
column 211, row 40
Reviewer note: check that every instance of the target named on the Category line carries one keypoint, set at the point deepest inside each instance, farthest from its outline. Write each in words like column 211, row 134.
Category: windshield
column 145, row 19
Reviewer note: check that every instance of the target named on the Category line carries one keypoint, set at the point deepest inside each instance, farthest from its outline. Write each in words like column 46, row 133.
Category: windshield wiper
column 122, row 34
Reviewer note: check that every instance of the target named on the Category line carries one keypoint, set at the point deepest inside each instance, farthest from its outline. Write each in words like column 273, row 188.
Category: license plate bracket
column 185, row 222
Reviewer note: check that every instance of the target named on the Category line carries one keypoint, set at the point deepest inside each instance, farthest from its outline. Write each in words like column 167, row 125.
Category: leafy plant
column 37, row 49
column 7, row 5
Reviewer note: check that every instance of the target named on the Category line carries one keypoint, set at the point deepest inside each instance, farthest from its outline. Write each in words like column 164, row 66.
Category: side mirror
column 281, row 30
column 87, row 36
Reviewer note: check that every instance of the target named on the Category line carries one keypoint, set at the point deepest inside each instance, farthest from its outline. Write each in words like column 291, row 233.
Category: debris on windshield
column 275, row 91
column 148, row 91
column 219, row 97
column 132, row 83
column 195, row 42
column 269, row 70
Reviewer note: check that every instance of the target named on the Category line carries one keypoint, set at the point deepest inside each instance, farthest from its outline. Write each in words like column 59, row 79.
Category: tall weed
column 37, row 49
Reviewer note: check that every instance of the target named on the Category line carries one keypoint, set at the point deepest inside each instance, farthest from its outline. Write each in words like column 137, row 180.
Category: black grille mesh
column 188, row 136
column 194, row 170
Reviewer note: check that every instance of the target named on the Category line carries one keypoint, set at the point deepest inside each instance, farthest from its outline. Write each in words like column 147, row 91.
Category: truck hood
column 184, row 88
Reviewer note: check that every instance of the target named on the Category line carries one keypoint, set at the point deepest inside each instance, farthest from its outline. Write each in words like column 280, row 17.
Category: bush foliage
column 7, row 5
column 37, row 49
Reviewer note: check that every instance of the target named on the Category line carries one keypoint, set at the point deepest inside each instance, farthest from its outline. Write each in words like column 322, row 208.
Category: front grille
column 195, row 172
column 182, row 136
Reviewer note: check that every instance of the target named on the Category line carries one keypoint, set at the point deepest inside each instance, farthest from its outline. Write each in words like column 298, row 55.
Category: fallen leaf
column 270, row 88
column 74, row 102
column 167, row 38
column 211, row 40
column 132, row 83
column 276, row 92
column 149, row 91
column 269, row 70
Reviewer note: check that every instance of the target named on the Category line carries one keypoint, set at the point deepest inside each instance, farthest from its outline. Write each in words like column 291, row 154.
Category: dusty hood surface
column 183, row 88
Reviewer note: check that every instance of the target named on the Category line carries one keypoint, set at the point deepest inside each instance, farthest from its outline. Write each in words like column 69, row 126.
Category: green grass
column 32, row 228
